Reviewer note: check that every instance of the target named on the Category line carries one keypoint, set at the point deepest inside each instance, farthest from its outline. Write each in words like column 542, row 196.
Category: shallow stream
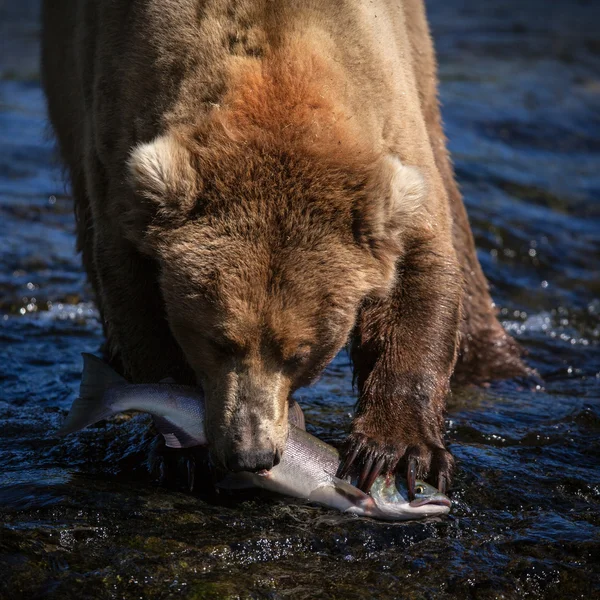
column 83, row 517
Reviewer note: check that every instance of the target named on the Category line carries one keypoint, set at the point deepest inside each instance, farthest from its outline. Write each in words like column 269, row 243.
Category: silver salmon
column 307, row 468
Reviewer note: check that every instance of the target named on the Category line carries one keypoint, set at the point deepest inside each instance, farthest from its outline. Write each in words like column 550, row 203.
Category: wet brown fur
column 254, row 183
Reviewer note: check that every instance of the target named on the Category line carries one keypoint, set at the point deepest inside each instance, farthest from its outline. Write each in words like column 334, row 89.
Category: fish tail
column 92, row 404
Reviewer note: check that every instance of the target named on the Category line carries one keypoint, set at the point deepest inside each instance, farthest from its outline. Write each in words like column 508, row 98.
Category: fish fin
column 91, row 406
column 237, row 481
column 346, row 487
column 174, row 436
column 97, row 377
column 296, row 416
column 357, row 501
column 85, row 412
column 349, row 491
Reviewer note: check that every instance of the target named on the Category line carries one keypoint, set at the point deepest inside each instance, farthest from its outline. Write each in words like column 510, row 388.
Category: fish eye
column 419, row 489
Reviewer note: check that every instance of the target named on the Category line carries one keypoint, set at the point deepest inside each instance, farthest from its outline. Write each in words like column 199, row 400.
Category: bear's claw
column 424, row 461
column 370, row 459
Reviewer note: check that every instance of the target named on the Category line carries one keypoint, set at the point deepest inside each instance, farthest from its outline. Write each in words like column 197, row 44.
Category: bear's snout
column 254, row 460
column 255, row 444
column 247, row 421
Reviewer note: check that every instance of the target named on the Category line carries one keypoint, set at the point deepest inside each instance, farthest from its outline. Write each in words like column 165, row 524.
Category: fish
column 307, row 468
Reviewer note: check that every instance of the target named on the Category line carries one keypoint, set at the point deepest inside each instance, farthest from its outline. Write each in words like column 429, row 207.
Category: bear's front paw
column 187, row 469
column 369, row 456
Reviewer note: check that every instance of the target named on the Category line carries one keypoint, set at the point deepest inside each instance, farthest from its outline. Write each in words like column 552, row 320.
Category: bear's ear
column 406, row 193
column 391, row 204
column 161, row 171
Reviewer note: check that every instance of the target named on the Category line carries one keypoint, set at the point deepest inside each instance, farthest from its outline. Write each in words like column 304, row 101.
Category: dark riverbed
column 82, row 518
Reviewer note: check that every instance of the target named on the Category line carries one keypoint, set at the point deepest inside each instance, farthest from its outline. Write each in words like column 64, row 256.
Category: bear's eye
column 225, row 347
column 299, row 357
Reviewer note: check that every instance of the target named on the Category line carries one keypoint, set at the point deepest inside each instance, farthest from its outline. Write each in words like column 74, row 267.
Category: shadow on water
column 83, row 518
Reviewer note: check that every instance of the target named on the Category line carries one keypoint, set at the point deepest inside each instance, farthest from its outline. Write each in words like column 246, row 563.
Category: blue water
column 83, row 518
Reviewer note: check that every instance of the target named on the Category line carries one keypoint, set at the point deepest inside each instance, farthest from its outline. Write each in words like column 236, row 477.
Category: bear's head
column 266, row 252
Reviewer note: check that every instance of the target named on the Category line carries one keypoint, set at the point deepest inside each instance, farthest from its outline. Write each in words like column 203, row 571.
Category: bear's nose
column 253, row 460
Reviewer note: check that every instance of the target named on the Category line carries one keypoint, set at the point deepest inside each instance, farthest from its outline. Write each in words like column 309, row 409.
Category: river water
column 84, row 518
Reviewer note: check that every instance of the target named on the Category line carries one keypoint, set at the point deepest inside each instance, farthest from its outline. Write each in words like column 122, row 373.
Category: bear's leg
column 138, row 334
column 404, row 349
column 139, row 341
column 486, row 351
column 85, row 245
column 85, row 234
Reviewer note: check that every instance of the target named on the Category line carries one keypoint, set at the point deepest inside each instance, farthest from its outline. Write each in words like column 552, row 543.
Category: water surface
column 84, row 518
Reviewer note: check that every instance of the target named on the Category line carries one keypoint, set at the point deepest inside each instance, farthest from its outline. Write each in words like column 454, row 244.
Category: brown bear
column 259, row 182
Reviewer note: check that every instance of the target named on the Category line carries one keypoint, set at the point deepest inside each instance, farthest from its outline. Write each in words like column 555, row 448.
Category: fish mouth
column 437, row 500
